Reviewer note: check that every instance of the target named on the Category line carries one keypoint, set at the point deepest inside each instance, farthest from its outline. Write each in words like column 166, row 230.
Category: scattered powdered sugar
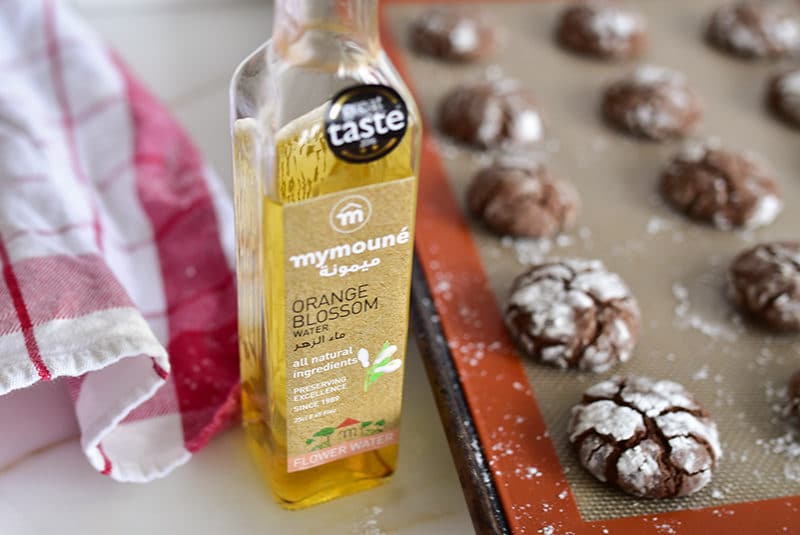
column 552, row 145
column 648, row 75
column 685, row 318
column 604, row 389
column 528, row 250
column 788, row 447
column 528, row 472
column 449, row 150
column 369, row 526
column 656, row 225
column 599, row 144
column 629, row 248
column 701, row 374
column 791, row 471
column 666, row 528
column 564, row 240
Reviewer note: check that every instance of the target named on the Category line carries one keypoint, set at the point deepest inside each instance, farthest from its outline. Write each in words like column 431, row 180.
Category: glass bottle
column 326, row 142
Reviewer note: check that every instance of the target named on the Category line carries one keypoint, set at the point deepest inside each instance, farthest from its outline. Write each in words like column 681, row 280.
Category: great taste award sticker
column 365, row 122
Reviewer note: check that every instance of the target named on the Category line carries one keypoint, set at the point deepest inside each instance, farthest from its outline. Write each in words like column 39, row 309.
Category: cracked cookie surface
column 603, row 30
column 521, row 200
column 765, row 281
column 649, row 438
column 573, row 314
column 724, row 188
column 491, row 114
column 652, row 102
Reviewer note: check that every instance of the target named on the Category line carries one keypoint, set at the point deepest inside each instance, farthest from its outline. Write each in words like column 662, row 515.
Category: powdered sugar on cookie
column 755, row 29
column 653, row 102
column 663, row 443
column 573, row 314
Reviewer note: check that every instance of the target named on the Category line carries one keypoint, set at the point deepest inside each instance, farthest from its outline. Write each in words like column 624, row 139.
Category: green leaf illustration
column 309, row 441
column 382, row 362
column 380, row 422
column 365, row 424
column 324, row 432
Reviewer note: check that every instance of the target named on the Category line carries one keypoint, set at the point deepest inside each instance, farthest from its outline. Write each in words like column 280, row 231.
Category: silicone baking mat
column 676, row 269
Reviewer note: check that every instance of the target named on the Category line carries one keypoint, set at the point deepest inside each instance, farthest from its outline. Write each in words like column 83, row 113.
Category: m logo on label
column 350, row 214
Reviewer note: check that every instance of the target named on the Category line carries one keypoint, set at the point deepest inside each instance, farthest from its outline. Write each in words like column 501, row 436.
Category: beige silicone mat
column 676, row 268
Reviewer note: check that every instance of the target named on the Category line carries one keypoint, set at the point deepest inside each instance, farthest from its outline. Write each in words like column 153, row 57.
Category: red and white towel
column 117, row 297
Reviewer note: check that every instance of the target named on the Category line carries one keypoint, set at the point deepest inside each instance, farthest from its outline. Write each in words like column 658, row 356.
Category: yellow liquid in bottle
column 305, row 168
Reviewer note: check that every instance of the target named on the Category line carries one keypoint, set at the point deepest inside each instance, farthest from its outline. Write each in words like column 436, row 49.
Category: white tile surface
column 220, row 492
column 186, row 50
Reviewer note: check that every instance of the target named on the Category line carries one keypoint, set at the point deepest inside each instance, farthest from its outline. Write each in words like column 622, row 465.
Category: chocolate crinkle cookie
column 522, row 200
column 603, row 30
column 783, row 96
column 573, row 314
column 650, row 438
column 653, row 103
column 765, row 281
column 724, row 188
column 454, row 35
column 491, row 114
column 755, row 29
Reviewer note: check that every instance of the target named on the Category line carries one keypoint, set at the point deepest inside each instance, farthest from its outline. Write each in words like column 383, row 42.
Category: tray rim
column 477, row 482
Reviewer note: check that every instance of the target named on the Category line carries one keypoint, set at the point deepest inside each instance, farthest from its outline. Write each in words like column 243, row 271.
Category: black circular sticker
column 365, row 122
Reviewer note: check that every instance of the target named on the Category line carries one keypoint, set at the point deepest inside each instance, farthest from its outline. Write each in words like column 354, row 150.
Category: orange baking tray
column 473, row 406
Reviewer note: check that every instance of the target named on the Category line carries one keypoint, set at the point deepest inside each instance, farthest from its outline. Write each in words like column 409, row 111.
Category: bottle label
column 365, row 122
column 348, row 267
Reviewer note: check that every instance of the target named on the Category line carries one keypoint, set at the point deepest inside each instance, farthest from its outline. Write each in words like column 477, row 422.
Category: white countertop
column 186, row 50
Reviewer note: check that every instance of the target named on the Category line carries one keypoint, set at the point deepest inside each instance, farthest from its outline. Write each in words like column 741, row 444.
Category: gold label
column 348, row 267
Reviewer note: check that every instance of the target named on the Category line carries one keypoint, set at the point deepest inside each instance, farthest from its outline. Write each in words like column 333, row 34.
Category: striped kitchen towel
column 117, row 295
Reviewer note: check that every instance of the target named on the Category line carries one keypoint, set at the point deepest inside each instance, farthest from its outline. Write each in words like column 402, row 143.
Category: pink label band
column 345, row 449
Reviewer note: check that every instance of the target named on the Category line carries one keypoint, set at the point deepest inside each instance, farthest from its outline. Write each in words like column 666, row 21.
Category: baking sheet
column 676, row 268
